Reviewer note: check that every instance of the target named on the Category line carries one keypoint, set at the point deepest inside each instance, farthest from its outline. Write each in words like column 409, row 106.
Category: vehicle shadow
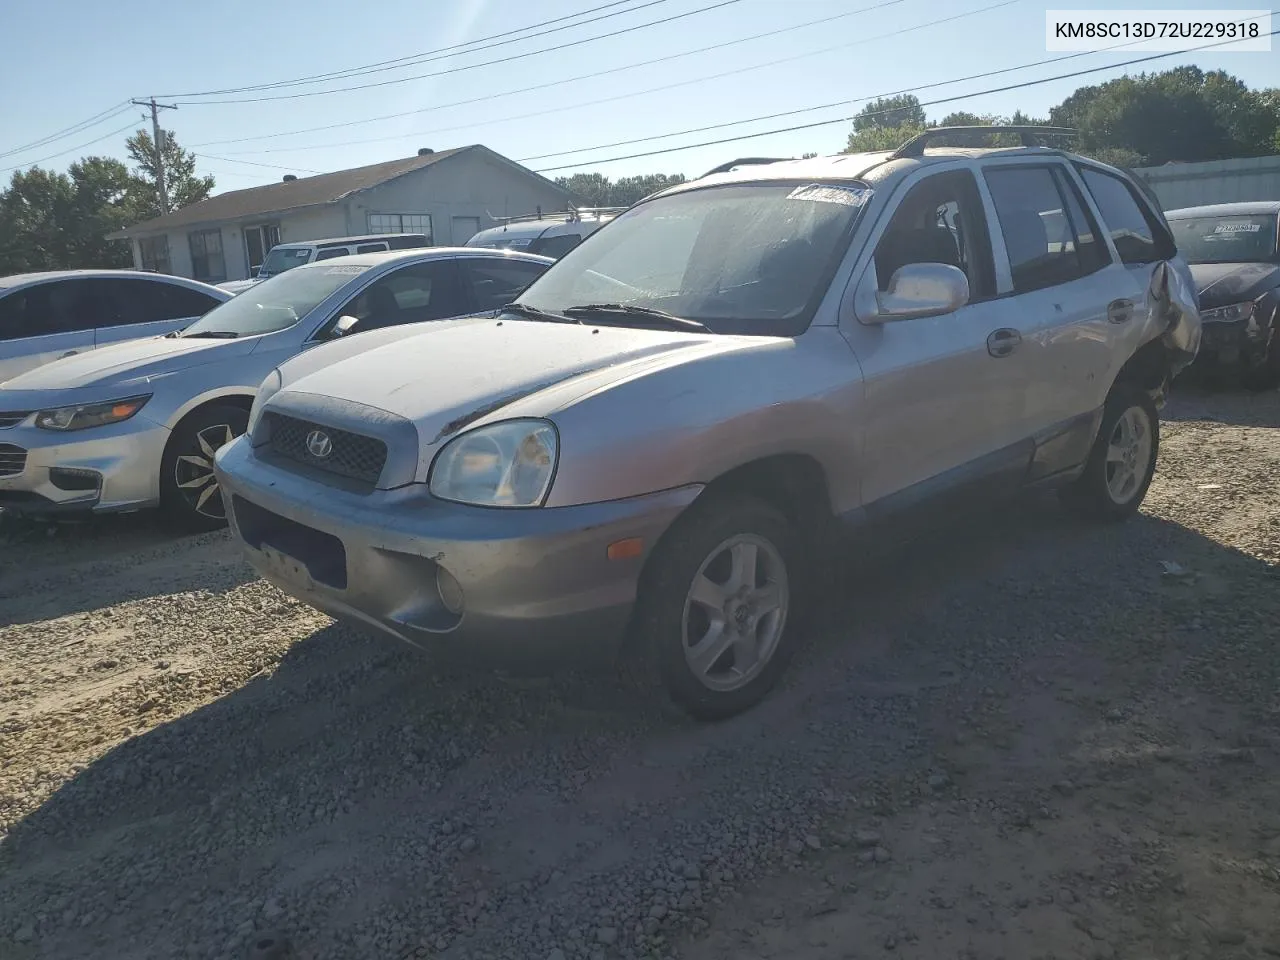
column 52, row 570
column 354, row 747
column 1217, row 400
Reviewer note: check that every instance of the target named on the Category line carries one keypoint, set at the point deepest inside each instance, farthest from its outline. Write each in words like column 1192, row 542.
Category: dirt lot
column 1031, row 740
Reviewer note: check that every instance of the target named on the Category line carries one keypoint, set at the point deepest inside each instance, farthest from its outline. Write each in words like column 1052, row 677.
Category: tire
column 189, row 501
column 705, row 544
column 1112, row 489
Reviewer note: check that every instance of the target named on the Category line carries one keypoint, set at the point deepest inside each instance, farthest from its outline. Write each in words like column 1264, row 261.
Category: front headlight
column 1228, row 314
column 86, row 415
column 507, row 464
column 266, row 390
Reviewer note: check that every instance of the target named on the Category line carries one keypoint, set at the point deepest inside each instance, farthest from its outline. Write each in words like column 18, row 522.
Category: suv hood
column 1221, row 284
column 458, row 373
column 128, row 363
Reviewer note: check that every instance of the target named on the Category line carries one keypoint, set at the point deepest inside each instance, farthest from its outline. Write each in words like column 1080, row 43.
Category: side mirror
column 921, row 290
column 344, row 326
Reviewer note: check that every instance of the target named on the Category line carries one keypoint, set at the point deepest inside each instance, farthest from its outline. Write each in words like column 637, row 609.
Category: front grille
column 13, row 460
column 11, row 418
column 351, row 455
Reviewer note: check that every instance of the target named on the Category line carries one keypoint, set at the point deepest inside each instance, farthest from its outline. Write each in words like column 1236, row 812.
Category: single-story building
column 450, row 195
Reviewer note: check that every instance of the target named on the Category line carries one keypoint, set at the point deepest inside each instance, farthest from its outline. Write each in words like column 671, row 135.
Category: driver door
column 944, row 397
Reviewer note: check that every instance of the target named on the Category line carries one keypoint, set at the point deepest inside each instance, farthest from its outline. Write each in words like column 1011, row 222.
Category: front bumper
column 537, row 586
column 101, row 469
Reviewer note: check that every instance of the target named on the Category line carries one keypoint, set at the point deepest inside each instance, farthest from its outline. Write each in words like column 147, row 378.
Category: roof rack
column 1030, row 137
column 745, row 162
column 567, row 216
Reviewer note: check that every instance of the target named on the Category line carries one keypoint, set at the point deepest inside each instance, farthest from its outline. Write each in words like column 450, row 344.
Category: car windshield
column 1227, row 239
column 281, row 259
column 274, row 304
column 742, row 258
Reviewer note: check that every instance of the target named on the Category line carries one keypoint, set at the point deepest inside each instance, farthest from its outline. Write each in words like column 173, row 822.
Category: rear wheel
column 189, row 493
column 1122, row 463
column 717, row 614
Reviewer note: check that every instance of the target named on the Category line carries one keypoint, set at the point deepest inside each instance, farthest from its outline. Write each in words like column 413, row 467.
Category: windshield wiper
column 213, row 334
column 533, row 313
column 649, row 313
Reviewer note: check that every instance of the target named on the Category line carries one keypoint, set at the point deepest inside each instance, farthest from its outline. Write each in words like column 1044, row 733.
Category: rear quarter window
column 1136, row 230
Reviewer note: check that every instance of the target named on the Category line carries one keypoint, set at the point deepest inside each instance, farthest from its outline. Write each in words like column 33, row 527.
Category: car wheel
column 719, row 606
column 1123, row 460
column 189, row 492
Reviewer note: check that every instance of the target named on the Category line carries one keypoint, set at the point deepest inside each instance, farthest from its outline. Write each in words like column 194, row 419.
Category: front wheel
column 1122, row 463
column 189, row 493
column 718, row 610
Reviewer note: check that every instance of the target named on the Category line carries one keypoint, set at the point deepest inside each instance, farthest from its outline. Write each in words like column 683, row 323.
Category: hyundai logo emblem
column 318, row 444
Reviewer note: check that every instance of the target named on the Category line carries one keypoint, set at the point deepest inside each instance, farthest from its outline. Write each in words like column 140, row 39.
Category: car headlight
column 1228, row 314
column 507, row 464
column 266, row 390
column 84, row 415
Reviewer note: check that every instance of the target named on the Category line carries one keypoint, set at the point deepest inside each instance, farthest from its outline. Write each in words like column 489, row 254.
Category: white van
column 286, row 256
column 548, row 235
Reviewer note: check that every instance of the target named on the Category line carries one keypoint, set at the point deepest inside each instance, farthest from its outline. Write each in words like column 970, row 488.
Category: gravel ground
column 1026, row 740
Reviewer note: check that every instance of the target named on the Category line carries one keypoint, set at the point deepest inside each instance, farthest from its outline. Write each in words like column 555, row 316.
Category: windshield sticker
column 353, row 268
column 1237, row 228
column 830, row 193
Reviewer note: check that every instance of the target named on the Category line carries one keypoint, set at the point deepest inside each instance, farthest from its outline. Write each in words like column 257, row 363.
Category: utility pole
column 157, row 139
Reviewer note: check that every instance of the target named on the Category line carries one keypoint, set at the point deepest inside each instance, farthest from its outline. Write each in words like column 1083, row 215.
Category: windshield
column 274, row 304
column 743, row 258
column 1227, row 239
column 281, row 259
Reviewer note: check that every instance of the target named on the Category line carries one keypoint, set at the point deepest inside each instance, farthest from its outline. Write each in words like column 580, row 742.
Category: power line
column 557, row 83
column 858, row 100
column 427, row 56
column 53, row 156
column 109, row 114
column 638, row 93
column 476, row 66
column 850, row 119
column 251, row 163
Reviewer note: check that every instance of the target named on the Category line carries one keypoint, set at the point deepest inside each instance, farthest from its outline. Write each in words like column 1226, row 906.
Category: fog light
column 450, row 590
column 74, row 481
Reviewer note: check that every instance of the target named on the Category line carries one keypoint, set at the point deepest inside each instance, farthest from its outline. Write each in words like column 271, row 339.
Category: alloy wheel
column 1128, row 455
column 193, row 472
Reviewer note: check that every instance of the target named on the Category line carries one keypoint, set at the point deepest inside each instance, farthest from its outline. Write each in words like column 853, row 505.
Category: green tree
column 597, row 190
column 183, row 185
column 903, row 110
column 591, row 188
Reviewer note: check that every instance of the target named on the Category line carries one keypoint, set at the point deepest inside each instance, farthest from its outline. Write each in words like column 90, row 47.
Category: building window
column 258, row 242
column 400, row 223
column 207, row 263
column 155, row 253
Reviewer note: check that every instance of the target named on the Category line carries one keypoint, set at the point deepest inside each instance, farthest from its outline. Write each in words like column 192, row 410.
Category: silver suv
column 644, row 451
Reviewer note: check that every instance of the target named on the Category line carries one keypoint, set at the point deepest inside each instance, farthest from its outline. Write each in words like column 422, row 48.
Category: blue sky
column 64, row 61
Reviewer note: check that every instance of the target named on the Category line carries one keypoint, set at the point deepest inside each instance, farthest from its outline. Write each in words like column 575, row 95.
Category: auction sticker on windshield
column 831, row 193
column 1238, row 228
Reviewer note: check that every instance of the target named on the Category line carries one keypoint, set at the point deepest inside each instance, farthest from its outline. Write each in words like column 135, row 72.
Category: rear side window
column 1137, row 233
column 1045, row 243
column 371, row 248
column 330, row 252
column 555, row 247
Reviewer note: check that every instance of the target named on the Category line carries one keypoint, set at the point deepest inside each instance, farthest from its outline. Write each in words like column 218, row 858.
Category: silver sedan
column 136, row 425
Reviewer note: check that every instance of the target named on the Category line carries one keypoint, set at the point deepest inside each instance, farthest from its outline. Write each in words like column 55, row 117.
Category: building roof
column 1246, row 208
column 305, row 192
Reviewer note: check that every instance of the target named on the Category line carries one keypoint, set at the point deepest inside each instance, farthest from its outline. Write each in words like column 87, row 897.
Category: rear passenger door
column 44, row 322
column 148, row 308
column 1061, row 277
column 494, row 283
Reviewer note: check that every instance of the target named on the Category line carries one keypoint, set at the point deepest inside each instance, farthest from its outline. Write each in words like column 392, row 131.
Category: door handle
column 1002, row 342
column 1119, row 311
column 69, row 353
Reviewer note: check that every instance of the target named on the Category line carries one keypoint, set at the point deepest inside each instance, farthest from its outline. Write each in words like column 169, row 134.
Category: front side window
column 940, row 220
column 207, row 263
column 281, row 259
column 274, row 304
column 400, row 223
column 1227, row 239
column 752, row 258
column 496, row 283
column 155, row 253
column 1134, row 230
column 412, row 294
column 1040, row 235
